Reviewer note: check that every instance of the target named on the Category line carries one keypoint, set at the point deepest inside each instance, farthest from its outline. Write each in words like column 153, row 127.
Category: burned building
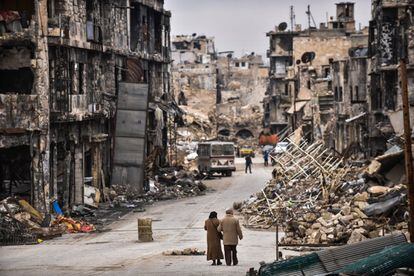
column 84, row 96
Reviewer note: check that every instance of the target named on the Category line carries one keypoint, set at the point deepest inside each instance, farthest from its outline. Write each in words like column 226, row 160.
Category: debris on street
column 168, row 184
column 343, row 204
column 184, row 252
column 20, row 223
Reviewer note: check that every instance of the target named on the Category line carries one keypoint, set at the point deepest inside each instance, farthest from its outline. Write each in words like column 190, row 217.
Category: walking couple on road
column 227, row 229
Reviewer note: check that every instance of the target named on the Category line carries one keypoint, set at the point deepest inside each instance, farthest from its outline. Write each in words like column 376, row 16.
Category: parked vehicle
column 246, row 150
column 216, row 157
column 280, row 148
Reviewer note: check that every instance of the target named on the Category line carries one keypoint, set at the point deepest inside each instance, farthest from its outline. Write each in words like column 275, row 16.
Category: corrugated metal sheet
column 336, row 258
column 299, row 266
column 332, row 259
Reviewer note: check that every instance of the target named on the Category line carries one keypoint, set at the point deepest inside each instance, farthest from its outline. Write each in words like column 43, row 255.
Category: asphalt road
column 177, row 224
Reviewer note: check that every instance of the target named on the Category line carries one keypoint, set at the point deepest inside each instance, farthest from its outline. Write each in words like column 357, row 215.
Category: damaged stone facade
column 61, row 67
column 391, row 34
column 346, row 82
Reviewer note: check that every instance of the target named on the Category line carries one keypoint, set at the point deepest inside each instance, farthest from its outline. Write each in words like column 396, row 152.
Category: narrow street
column 176, row 225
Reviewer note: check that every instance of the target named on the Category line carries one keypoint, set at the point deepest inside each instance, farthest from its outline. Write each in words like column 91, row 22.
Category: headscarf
column 212, row 215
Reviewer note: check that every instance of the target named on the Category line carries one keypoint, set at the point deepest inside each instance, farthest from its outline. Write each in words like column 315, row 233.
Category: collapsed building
column 84, row 96
column 339, row 84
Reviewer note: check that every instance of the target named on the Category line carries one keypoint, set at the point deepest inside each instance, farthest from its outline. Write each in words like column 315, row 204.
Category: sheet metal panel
column 336, row 258
column 130, row 133
column 131, row 123
column 129, row 151
column 132, row 96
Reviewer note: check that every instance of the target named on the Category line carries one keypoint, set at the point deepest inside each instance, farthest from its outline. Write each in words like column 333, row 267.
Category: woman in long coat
column 214, row 252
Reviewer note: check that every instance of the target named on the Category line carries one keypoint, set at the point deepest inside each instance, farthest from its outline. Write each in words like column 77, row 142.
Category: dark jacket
column 248, row 160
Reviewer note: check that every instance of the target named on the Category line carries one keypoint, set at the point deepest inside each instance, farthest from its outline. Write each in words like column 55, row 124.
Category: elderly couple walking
column 227, row 229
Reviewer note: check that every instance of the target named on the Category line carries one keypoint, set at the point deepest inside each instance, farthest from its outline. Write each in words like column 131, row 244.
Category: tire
column 229, row 174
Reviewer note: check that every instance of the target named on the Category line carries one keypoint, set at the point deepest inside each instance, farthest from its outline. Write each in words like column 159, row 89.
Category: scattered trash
column 20, row 223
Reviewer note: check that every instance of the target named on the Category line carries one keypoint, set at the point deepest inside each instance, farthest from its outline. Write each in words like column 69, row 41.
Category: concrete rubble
column 347, row 204
column 184, row 252
column 168, row 184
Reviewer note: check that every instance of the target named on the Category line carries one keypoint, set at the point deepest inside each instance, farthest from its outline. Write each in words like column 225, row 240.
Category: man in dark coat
column 249, row 163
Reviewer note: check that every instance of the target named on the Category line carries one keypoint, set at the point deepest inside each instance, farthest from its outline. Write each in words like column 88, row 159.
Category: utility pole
column 407, row 149
column 309, row 19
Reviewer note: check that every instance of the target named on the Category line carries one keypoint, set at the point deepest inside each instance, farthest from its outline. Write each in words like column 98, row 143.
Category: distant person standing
column 214, row 252
column 230, row 227
column 249, row 163
column 266, row 158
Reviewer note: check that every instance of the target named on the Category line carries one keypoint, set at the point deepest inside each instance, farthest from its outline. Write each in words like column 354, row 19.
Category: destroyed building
column 300, row 67
column 391, row 34
column 339, row 84
column 226, row 89
column 84, row 96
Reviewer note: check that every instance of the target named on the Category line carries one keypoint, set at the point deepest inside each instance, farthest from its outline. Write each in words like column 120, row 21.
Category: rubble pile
column 168, row 184
column 184, row 252
column 20, row 223
column 346, row 204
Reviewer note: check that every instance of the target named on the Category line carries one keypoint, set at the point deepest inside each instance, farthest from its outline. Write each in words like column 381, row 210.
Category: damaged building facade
column 84, row 93
column 339, row 84
column 299, row 89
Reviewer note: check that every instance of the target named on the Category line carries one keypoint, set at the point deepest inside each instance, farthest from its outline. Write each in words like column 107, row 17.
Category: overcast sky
column 241, row 25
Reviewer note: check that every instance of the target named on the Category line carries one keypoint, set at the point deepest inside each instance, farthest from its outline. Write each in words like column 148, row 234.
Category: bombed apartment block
column 350, row 84
column 300, row 70
column 80, row 85
column 390, row 40
column 280, row 87
column 192, row 49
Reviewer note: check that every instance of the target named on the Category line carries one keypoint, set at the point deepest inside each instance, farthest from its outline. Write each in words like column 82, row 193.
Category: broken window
column 340, row 94
column 16, row 15
column 81, row 78
column 135, row 26
column 16, row 75
column 15, row 172
column 376, row 92
column 51, row 8
column 389, row 81
column 19, row 81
